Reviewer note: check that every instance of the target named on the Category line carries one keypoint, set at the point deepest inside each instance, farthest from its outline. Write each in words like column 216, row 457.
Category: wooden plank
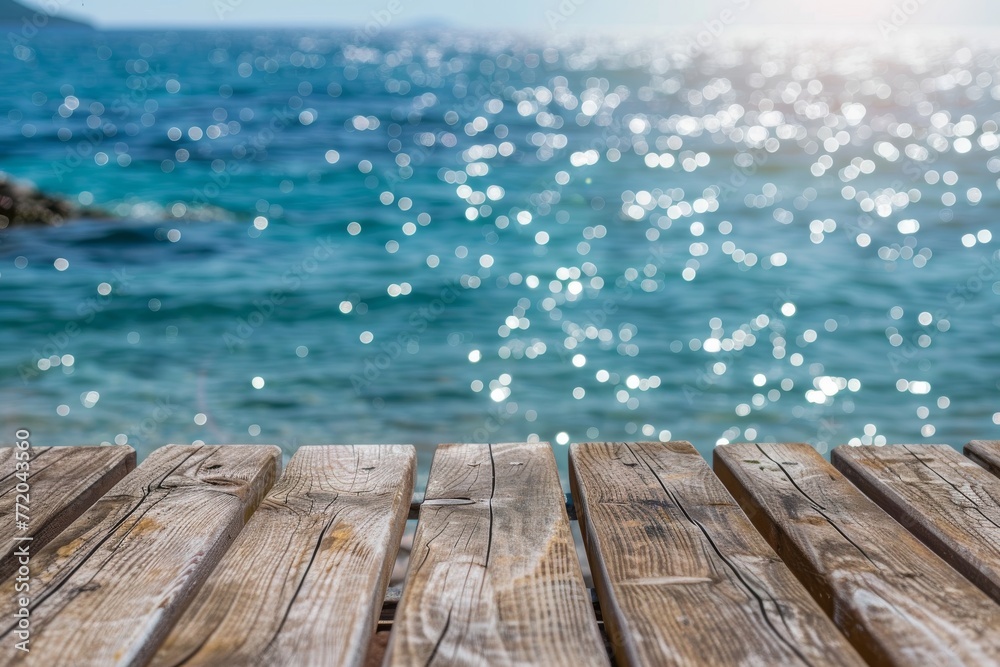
column 107, row 589
column 493, row 576
column 986, row 453
column 681, row 572
column 304, row 582
column 62, row 483
column 943, row 498
column 896, row 601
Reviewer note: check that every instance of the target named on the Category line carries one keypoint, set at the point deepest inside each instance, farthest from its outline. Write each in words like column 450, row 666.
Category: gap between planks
column 895, row 599
column 62, row 483
column 947, row 501
column 107, row 589
column 680, row 571
column 326, row 538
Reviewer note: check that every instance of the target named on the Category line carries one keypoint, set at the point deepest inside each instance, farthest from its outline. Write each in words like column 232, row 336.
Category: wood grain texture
column 63, row 481
column 951, row 504
column 493, row 576
column 897, row 601
column 683, row 577
column 986, row 453
column 107, row 589
column 304, row 582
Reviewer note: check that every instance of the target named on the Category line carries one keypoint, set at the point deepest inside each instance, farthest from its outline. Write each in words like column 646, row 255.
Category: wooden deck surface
column 107, row 589
column 65, row 481
column 680, row 571
column 206, row 555
column 896, row 600
column 943, row 498
column 326, row 537
column 494, row 578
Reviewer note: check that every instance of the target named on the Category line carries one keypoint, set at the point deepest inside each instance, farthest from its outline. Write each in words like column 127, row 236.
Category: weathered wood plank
column 493, row 576
column 896, row 601
column 107, row 589
column 304, row 582
column 986, row 453
column 943, row 498
column 680, row 571
column 63, row 482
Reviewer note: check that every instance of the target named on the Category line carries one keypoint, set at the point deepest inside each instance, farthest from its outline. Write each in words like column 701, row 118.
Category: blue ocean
column 425, row 236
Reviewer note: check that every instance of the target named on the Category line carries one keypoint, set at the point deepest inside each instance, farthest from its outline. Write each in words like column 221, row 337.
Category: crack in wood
column 35, row 470
column 65, row 575
column 975, row 505
column 732, row 566
column 493, row 490
column 305, row 573
column 819, row 509
column 440, row 639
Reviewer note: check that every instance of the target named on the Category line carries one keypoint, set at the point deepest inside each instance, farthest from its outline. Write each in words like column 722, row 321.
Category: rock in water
column 24, row 205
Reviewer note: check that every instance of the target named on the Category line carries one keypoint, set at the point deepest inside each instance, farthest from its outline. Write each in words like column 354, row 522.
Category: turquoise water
column 430, row 237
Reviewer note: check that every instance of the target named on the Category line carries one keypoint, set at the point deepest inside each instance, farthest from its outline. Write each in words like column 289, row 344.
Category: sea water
column 430, row 236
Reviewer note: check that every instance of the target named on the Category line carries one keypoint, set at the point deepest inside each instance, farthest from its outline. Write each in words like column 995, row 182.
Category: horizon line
column 569, row 30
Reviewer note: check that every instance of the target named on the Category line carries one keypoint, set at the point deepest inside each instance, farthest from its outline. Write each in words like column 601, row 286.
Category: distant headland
column 15, row 14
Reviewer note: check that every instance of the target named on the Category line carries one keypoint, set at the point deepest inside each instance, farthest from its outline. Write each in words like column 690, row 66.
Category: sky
column 531, row 15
